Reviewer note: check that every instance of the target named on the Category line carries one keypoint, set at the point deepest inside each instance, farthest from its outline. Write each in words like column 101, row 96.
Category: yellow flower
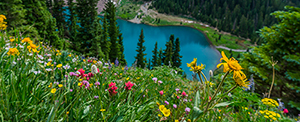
column 91, row 85
column 49, row 63
column 32, row 47
column 83, row 60
column 53, row 90
column 122, row 68
column 219, row 117
column 52, row 65
column 2, row 17
column 159, row 115
column 189, row 120
column 102, row 110
column 166, row 112
column 27, row 39
column 157, row 103
column 50, row 85
column 176, row 120
column 138, row 78
column 69, row 55
column 270, row 102
column 121, row 74
column 161, row 107
column 127, row 78
column 94, row 61
column 80, row 80
column 11, row 40
column 68, row 112
column 13, row 51
column 57, row 51
column 193, row 63
column 59, row 66
column 60, row 85
column 79, row 84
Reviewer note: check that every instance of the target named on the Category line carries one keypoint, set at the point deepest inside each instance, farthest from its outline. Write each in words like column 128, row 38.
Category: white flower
column 21, row 46
column 40, row 61
column 94, row 69
column 36, row 72
column 99, row 62
column 49, row 69
column 211, row 73
column 74, row 60
column 49, row 59
column 229, row 94
column 48, row 55
column 66, row 67
column 14, row 62
column 41, row 57
column 30, row 54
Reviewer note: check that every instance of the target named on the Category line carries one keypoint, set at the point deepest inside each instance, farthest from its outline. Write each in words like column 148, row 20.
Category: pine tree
column 58, row 14
column 95, row 49
column 141, row 60
column 73, row 27
column 155, row 56
column 110, row 13
column 177, row 56
column 168, row 52
column 120, row 41
column 160, row 57
column 105, row 45
column 282, row 43
column 149, row 64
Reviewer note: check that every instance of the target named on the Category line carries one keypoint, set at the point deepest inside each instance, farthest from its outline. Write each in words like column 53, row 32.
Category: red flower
column 81, row 71
column 128, row 85
column 161, row 92
column 91, row 74
column 285, row 111
column 112, row 88
column 209, row 98
column 183, row 94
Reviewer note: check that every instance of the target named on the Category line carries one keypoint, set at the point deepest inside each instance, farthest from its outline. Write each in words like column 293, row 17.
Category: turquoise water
column 193, row 44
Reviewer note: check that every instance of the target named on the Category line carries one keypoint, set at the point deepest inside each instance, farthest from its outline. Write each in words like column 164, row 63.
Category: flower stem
column 200, row 77
column 224, row 95
column 272, row 81
column 218, row 89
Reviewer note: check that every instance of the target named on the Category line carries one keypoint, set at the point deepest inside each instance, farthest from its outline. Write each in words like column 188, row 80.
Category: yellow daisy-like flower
column 79, row 84
column 127, row 78
column 13, row 51
column 80, row 80
column 176, row 120
column 166, row 112
column 102, row 110
column 270, row 102
column 189, row 120
column 53, row 90
column 67, row 112
column 83, row 60
column 27, row 39
column 60, row 85
column 161, row 107
column 11, row 40
column 59, row 66
column 94, row 61
column 193, row 63
column 159, row 115
column 32, row 47
column 157, row 103
column 2, row 17
column 49, row 63
column 69, row 55
column 50, row 85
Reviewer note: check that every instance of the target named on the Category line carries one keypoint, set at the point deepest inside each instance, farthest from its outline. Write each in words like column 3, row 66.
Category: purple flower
column 56, row 83
column 71, row 90
column 167, row 102
column 177, row 89
column 66, row 76
column 117, row 62
column 143, row 95
column 96, row 97
column 66, row 67
column 174, row 105
column 97, row 83
column 187, row 109
column 185, row 100
column 160, row 82
column 154, row 79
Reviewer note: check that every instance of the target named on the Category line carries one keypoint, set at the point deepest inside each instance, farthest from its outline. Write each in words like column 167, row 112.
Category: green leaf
column 222, row 104
column 196, row 112
column 197, row 99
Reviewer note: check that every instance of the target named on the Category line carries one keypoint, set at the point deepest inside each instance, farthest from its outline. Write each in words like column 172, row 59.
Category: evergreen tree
column 141, row 60
column 282, row 43
column 73, row 27
column 105, row 45
column 120, row 40
column 42, row 21
column 160, row 57
column 59, row 16
column 155, row 56
column 177, row 56
column 149, row 64
column 95, row 49
column 168, row 52
column 110, row 13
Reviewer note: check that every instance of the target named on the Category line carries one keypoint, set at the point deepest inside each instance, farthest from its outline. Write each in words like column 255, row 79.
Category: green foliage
column 176, row 56
column 168, row 52
column 282, row 45
column 105, row 45
column 141, row 60
column 155, row 57
column 120, row 41
column 57, row 13
column 95, row 50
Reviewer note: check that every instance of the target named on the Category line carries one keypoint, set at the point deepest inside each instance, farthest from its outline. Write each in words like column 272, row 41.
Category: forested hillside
column 239, row 17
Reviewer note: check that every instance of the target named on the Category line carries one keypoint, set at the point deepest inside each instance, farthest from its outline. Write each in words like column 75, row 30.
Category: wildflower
column 60, row 85
column 154, row 79
column 285, row 111
column 66, row 67
column 97, row 83
column 187, row 109
column 70, row 55
column 116, row 62
column 189, row 120
column 161, row 107
column 167, row 102
column 161, row 92
column 178, row 97
column 185, row 100
column 67, row 112
column 59, row 66
column 112, row 88
column 174, row 105
column 176, row 120
column 193, row 63
column 209, row 98
column 177, row 89
column 11, row 40
column 128, row 85
column 48, row 69
column 160, row 82
column 27, row 39
column 79, row 84
column 71, row 90
column 32, row 47
column 13, row 51
column 183, row 94
column 94, row 69
column 102, row 110
column 50, row 85
column 157, row 103
column 53, row 90
column 166, row 112
column 159, row 115
column 81, row 71
column 233, row 65
column 270, row 102
column 96, row 97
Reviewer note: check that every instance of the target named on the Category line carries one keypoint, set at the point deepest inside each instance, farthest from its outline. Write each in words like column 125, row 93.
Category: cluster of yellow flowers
column 270, row 114
column 209, row 83
column 194, row 67
column 13, row 51
column 233, row 65
column 270, row 102
column 164, row 110
column 2, row 23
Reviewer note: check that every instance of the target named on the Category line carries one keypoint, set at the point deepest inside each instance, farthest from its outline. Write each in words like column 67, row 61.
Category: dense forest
column 240, row 17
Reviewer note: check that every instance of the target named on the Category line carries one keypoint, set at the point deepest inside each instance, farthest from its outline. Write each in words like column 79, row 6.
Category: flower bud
column 211, row 73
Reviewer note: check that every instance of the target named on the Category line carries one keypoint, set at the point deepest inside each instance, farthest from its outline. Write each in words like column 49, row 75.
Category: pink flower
column 91, row 74
column 183, row 94
column 112, row 88
column 81, row 71
column 209, row 98
column 161, row 92
column 154, row 79
column 174, row 105
column 160, row 82
column 285, row 111
column 167, row 102
column 178, row 97
column 128, row 85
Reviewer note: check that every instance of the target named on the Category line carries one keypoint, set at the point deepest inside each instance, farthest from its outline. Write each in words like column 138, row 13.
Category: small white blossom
column 94, row 69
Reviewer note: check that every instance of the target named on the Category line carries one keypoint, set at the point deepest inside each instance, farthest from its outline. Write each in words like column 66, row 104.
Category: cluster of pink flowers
column 128, row 85
column 112, row 88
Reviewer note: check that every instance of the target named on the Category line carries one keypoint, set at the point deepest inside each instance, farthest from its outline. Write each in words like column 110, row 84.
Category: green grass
column 127, row 9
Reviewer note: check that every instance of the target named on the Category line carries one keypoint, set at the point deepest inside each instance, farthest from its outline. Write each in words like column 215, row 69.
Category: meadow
column 41, row 83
